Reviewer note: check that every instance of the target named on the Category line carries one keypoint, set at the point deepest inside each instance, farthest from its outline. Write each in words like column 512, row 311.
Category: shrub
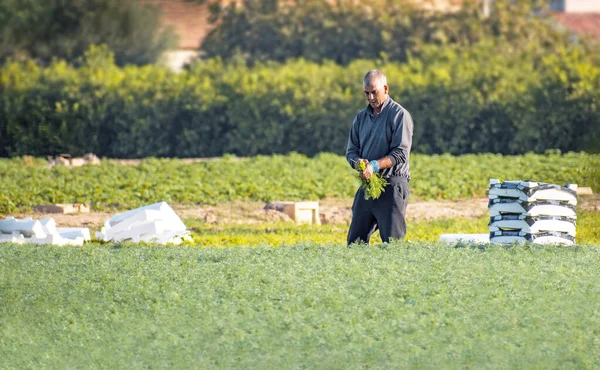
column 479, row 100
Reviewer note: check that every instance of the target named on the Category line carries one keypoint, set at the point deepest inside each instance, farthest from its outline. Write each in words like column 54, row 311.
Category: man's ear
column 386, row 88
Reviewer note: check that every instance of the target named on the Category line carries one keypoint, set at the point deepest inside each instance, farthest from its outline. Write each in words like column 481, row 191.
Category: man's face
column 376, row 93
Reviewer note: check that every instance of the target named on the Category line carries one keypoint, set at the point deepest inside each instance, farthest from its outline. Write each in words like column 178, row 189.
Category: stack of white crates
column 525, row 211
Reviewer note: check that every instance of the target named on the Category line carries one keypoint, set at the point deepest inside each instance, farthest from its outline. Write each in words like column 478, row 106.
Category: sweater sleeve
column 401, row 137
column 353, row 147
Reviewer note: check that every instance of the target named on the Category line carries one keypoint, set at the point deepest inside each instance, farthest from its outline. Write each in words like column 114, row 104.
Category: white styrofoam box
column 40, row 232
column 533, row 191
column 140, row 228
column 548, row 194
column 139, row 217
column 55, row 239
column 74, row 232
column 533, row 225
column 469, row 238
column 49, row 226
column 12, row 238
column 525, row 184
column 301, row 212
column 508, row 239
column 28, row 227
column 552, row 237
column 166, row 211
column 539, row 227
column 500, row 206
column 156, row 222
column 168, row 221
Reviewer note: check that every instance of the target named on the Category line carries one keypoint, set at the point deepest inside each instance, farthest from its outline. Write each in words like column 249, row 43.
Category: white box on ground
column 28, row 227
column 536, row 227
column 40, row 232
column 529, row 191
column 138, row 220
column 467, row 238
column 300, row 212
column 166, row 211
column 139, row 228
column 156, row 222
column 49, row 226
column 533, row 209
column 74, row 232
column 510, row 237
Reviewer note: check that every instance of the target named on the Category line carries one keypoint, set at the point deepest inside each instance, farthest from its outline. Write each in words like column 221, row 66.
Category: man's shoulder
column 395, row 107
column 362, row 114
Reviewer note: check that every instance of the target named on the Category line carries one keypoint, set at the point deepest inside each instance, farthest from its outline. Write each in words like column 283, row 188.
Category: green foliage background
column 484, row 99
column 46, row 29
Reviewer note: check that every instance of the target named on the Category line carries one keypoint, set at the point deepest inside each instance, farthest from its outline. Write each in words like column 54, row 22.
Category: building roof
column 587, row 24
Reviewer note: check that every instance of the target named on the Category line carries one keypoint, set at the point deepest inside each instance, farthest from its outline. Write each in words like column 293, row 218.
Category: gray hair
column 373, row 77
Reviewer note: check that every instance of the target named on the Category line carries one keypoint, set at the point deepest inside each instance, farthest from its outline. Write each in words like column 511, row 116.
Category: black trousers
column 387, row 213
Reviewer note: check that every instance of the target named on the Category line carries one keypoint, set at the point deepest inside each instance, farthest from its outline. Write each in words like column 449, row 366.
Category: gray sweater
column 387, row 134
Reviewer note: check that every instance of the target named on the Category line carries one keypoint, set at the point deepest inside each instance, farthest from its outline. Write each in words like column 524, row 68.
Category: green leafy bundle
column 374, row 186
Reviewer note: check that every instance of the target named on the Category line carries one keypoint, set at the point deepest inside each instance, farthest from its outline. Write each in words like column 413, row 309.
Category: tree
column 344, row 30
column 44, row 29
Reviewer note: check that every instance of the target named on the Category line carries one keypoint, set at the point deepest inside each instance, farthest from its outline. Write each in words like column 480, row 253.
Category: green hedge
column 488, row 99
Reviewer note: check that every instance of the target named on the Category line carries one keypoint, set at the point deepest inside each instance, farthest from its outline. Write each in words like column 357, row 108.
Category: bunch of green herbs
column 373, row 186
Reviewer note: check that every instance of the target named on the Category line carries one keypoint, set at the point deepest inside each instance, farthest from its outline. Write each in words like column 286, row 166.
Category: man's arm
column 353, row 147
column 382, row 163
column 401, row 138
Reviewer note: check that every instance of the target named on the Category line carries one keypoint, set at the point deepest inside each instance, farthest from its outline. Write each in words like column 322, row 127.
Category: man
column 381, row 136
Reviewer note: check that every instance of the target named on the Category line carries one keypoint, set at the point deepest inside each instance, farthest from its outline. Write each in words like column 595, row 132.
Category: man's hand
column 357, row 164
column 368, row 171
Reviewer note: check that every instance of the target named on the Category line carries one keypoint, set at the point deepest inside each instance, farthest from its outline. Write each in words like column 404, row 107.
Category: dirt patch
column 336, row 211
column 232, row 212
column 340, row 211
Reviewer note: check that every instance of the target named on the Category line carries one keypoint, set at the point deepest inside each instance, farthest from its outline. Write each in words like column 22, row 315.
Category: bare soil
column 331, row 211
column 337, row 211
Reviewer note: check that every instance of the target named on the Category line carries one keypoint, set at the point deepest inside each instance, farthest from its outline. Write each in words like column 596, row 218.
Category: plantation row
column 486, row 99
column 26, row 183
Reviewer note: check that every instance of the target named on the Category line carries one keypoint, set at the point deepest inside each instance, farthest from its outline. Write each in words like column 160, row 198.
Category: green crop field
column 26, row 183
column 402, row 305
column 279, row 295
